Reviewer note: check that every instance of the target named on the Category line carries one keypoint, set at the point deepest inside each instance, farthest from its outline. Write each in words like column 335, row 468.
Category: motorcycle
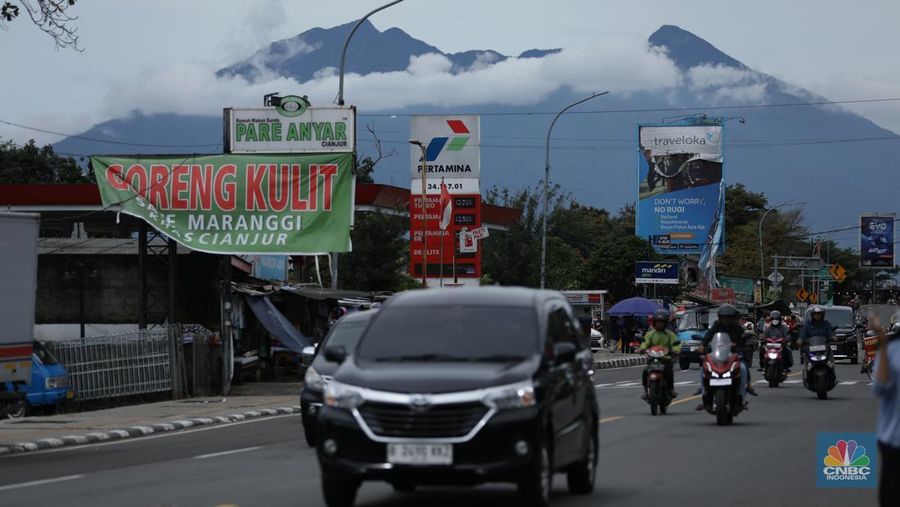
column 722, row 379
column 658, row 390
column 818, row 374
column 774, row 365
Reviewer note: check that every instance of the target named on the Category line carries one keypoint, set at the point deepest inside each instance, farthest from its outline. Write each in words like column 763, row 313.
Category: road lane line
column 225, row 453
column 40, row 482
column 628, row 384
column 685, row 382
column 792, row 381
column 848, row 382
column 685, row 400
column 610, row 419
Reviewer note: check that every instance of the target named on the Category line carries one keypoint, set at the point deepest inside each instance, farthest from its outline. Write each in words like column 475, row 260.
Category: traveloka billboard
column 681, row 192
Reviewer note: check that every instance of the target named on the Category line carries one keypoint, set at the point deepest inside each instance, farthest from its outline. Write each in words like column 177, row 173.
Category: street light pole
column 762, row 262
column 340, row 98
column 424, row 211
column 547, row 184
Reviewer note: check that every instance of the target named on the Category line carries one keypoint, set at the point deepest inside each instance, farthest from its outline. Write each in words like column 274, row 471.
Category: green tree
column 30, row 164
column 379, row 257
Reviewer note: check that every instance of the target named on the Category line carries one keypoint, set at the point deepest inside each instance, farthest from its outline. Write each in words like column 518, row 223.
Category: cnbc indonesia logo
column 846, row 461
column 447, row 144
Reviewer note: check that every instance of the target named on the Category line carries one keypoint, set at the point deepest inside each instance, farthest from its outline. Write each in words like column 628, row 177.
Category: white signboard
column 290, row 128
column 467, row 241
column 452, row 147
column 456, row 186
column 480, row 232
column 703, row 143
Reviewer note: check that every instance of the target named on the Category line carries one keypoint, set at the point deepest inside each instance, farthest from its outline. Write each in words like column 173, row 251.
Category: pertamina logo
column 845, row 462
column 438, row 154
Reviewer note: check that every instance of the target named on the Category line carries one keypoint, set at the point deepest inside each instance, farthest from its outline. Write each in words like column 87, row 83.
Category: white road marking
column 848, row 382
column 602, row 385
column 40, row 482
column 628, row 384
column 792, row 381
column 685, row 383
column 225, row 453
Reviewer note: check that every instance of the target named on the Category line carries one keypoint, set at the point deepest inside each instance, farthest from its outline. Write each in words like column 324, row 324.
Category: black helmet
column 661, row 314
column 727, row 311
column 775, row 315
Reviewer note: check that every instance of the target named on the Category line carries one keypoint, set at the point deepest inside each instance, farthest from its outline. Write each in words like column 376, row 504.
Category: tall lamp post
column 421, row 146
column 547, row 185
column 762, row 262
column 340, row 98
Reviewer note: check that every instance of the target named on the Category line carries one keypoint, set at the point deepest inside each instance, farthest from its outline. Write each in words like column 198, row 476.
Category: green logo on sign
column 292, row 105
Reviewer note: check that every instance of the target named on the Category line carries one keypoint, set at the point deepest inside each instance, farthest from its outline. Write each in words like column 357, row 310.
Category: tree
column 379, row 257
column 51, row 16
column 30, row 164
column 365, row 168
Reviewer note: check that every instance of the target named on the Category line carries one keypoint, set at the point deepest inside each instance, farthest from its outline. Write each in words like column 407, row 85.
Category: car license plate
column 834, row 347
column 720, row 381
column 420, row 454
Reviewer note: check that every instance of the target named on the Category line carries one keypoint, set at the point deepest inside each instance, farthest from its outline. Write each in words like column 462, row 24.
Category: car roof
column 472, row 296
column 359, row 315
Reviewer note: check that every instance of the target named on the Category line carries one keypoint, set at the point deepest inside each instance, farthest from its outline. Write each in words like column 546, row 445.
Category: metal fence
column 135, row 363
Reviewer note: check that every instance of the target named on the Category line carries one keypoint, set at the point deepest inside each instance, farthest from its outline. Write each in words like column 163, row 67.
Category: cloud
column 722, row 84
column 622, row 65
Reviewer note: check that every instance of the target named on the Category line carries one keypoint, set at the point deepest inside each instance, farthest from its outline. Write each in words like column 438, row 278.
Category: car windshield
column 693, row 321
column 346, row 333
column 43, row 354
column 839, row 317
column 450, row 333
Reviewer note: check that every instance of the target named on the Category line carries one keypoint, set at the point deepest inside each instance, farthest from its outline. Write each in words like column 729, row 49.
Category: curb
column 95, row 437
column 621, row 362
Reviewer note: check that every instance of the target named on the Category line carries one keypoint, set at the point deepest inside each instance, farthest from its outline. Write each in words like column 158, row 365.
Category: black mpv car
column 462, row 386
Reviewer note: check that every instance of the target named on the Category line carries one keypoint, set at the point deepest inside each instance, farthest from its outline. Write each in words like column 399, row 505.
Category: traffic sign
column 802, row 294
column 775, row 277
column 838, row 272
column 813, row 299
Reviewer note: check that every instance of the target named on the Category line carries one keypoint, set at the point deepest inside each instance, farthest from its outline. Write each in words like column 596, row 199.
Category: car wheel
column 309, row 430
column 582, row 475
column 23, row 410
column 339, row 490
column 535, row 485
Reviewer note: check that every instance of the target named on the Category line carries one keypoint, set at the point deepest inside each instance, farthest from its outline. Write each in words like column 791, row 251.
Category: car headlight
column 511, row 396
column 313, row 380
column 342, row 395
column 57, row 382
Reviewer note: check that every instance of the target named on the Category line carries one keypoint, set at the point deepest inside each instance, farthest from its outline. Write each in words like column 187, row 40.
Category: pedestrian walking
column 886, row 389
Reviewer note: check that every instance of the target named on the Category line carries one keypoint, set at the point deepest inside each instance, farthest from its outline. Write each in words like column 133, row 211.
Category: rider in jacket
column 727, row 323
column 777, row 329
column 661, row 336
column 817, row 326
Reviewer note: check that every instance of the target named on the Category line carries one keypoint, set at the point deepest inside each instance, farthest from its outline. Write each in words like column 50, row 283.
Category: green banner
column 237, row 204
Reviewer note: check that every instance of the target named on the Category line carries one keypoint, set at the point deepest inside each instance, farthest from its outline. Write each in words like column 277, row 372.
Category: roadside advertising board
column 656, row 272
column 876, row 240
column 292, row 127
column 298, row 204
column 680, row 187
column 452, row 157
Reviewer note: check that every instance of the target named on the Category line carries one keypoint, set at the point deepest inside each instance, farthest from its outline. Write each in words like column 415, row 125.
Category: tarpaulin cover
column 277, row 324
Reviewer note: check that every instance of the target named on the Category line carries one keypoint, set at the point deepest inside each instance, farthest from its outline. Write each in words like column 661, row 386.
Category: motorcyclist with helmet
column 661, row 336
column 727, row 323
column 777, row 329
column 817, row 326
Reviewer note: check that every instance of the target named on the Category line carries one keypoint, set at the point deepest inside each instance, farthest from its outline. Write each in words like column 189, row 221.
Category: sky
column 160, row 55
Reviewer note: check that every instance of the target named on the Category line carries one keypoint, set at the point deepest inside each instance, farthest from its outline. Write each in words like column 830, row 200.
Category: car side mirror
column 307, row 353
column 564, row 352
column 697, row 337
column 336, row 354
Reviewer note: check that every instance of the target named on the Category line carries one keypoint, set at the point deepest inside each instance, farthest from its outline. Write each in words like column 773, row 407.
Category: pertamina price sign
column 466, row 213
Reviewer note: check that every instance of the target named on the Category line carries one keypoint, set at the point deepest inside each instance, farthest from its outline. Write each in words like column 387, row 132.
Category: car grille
column 436, row 421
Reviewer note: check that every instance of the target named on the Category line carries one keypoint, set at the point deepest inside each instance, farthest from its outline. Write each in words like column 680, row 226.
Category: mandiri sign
column 290, row 128
column 237, row 204
column 656, row 272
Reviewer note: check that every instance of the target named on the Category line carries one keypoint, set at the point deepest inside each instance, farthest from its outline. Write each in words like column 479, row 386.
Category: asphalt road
column 766, row 458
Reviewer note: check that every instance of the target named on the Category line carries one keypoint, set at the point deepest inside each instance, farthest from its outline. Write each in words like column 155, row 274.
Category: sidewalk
column 604, row 359
column 245, row 402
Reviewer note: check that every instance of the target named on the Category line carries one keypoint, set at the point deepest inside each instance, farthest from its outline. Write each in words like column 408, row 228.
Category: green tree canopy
column 30, row 164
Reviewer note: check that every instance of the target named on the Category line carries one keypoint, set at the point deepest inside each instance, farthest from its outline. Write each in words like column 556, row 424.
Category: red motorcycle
column 658, row 390
column 722, row 379
column 774, row 352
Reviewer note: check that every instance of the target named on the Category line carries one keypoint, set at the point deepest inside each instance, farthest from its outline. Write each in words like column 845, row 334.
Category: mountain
column 836, row 161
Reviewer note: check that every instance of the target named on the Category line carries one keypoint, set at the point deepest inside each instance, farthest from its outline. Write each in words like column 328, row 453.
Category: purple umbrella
column 634, row 306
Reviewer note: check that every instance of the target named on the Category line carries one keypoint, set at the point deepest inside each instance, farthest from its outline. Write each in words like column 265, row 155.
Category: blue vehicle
column 694, row 321
column 49, row 384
